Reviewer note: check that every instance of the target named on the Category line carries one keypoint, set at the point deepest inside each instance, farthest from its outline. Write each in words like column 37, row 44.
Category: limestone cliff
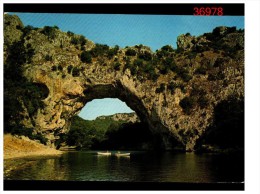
column 126, row 117
column 174, row 91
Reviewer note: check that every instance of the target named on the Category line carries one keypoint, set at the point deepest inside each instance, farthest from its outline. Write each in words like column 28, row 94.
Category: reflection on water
column 141, row 166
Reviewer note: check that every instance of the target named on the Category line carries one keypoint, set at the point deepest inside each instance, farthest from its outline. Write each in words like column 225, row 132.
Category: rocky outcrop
column 186, row 42
column 179, row 103
column 126, row 117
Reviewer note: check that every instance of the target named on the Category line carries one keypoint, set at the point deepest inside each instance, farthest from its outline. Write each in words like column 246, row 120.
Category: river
column 140, row 167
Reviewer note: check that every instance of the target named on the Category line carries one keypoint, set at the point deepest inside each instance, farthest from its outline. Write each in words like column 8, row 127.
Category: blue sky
column 154, row 31
column 106, row 106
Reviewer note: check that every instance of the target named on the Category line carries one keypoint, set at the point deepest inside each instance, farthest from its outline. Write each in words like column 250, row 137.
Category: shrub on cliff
column 49, row 31
column 138, row 62
column 99, row 50
column 74, row 40
column 70, row 33
column 54, row 68
column 171, row 86
column 77, row 40
column 166, row 65
column 160, row 89
column 201, row 70
column 184, row 74
column 130, row 52
column 75, row 72
column 147, row 56
column 116, row 66
column 164, row 51
column 27, row 29
column 48, row 57
column 187, row 104
column 112, row 52
column 82, row 40
column 69, row 68
column 60, row 68
column 86, row 57
column 18, row 55
column 203, row 102
column 167, row 48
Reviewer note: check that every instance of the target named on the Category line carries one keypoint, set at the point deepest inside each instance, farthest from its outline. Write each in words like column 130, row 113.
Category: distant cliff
column 125, row 117
column 49, row 75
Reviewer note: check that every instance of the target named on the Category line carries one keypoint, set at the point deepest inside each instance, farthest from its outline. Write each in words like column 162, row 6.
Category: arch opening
column 109, row 124
column 146, row 133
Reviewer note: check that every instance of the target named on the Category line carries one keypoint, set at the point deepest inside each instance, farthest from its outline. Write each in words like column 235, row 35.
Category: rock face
column 126, row 117
column 173, row 105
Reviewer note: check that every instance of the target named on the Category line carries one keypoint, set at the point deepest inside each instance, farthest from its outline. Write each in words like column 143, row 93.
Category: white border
column 252, row 86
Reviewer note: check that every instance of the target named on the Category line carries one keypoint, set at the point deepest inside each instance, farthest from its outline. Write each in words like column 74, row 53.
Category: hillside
column 105, row 131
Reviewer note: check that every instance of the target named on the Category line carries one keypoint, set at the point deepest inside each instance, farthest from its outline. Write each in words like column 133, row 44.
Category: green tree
column 60, row 68
column 147, row 56
column 75, row 72
column 86, row 57
column 82, row 40
column 117, row 66
column 49, row 31
column 161, row 88
column 48, row 57
column 70, row 33
column 99, row 50
column 167, row 48
column 130, row 52
column 74, row 40
column 112, row 52
column 54, row 68
column 69, row 68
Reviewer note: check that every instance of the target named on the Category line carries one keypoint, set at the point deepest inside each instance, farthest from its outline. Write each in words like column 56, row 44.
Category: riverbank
column 21, row 146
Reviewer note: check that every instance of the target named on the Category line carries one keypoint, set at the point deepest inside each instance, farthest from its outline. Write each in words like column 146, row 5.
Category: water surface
column 139, row 167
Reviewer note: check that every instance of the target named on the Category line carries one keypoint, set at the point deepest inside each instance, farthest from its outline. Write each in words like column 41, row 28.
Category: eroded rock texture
column 176, row 98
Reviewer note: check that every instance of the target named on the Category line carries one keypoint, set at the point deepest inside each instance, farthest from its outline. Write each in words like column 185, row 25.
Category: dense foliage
column 86, row 57
column 126, row 136
column 187, row 104
column 81, row 40
column 49, row 31
column 227, row 130
column 19, row 93
column 84, row 133
column 107, row 133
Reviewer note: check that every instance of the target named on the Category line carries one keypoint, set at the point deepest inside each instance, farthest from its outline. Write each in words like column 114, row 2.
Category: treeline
column 107, row 134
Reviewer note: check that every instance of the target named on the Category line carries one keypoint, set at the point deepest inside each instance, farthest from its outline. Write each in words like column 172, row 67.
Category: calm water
column 141, row 166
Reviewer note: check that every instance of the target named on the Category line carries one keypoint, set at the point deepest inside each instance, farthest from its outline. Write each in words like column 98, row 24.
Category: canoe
column 104, row 153
column 122, row 154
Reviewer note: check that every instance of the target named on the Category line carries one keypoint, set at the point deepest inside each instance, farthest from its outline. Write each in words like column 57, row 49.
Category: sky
column 154, row 31
column 105, row 106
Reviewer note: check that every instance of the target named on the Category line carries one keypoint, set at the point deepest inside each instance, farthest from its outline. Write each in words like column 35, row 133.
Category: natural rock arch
column 57, row 63
column 68, row 97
